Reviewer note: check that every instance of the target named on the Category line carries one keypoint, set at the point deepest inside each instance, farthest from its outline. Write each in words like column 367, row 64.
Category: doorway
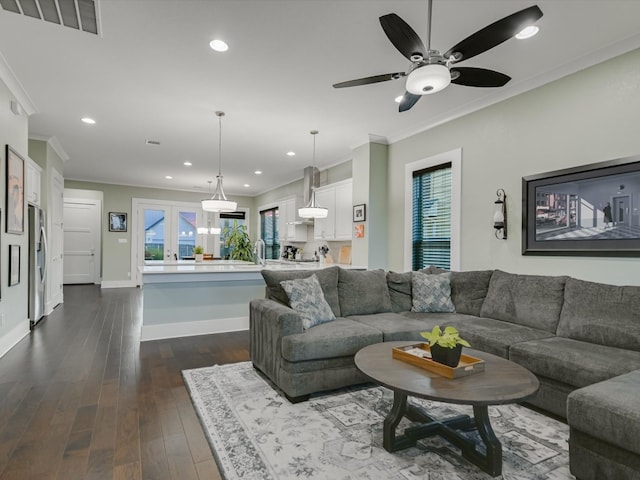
column 621, row 210
column 81, row 241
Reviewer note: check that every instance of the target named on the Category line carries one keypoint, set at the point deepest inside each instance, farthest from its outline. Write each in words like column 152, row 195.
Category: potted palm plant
column 237, row 239
column 198, row 252
column 446, row 346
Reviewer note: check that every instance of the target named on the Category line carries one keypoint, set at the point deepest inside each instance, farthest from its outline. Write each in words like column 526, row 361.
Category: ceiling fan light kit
column 431, row 72
column 218, row 202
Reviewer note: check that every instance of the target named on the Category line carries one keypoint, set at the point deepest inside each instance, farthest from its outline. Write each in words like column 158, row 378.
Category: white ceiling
column 151, row 75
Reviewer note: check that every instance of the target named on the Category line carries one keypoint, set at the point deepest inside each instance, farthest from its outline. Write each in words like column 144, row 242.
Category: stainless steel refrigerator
column 37, row 264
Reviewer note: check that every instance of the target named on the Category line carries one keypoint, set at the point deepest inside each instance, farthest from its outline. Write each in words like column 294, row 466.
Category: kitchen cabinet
column 288, row 231
column 32, row 185
column 337, row 198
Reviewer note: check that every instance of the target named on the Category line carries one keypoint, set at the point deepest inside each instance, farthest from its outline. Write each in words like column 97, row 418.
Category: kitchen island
column 186, row 298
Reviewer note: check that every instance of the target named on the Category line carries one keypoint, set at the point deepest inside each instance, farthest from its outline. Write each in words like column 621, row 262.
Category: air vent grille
column 78, row 14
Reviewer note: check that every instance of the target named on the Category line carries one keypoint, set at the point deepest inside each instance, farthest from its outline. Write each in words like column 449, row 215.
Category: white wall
column 588, row 117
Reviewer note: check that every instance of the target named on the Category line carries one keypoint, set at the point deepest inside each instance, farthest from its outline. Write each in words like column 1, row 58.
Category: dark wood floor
column 82, row 398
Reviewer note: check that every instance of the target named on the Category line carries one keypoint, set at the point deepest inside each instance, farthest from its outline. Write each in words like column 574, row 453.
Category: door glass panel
column 187, row 231
column 154, row 238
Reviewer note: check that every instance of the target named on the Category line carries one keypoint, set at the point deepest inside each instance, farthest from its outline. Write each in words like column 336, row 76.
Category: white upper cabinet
column 337, row 197
column 32, row 185
column 288, row 231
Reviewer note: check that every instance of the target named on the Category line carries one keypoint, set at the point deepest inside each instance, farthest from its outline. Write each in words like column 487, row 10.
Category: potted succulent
column 198, row 252
column 445, row 346
column 236, row 237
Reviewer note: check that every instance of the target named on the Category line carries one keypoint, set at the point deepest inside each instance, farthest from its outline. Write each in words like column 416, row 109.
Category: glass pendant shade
column 312, row 209
column 218, row 202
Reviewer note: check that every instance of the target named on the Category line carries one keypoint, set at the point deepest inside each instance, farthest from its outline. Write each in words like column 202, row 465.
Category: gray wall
column 588, row 117
column 13, row 307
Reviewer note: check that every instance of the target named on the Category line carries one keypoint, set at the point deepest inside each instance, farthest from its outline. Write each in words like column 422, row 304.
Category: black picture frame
column 14, row 265
column 117, row 222
column 591, row 210
column 359, row 213
column 14, row 192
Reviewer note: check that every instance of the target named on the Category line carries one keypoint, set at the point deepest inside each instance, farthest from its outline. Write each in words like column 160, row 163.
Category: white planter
column 199, row 257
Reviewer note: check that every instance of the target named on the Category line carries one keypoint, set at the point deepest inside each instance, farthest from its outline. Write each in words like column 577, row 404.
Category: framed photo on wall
column 117, row 222
column 14, row 265
column 15, row 192
column 359, row 213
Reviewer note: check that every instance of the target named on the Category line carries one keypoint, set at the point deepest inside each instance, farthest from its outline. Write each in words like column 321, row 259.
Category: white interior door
column 54, row 218
column 81, row 241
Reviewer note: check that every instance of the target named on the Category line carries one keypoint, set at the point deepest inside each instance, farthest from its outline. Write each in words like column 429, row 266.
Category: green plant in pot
column 237, row 239
column 198, row 252
column 446, row 346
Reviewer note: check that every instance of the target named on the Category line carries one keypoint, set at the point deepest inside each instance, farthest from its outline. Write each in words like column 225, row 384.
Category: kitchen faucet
column 260, row 251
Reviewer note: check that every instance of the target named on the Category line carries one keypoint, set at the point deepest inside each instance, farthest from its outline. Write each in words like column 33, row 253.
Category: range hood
column 310, row 180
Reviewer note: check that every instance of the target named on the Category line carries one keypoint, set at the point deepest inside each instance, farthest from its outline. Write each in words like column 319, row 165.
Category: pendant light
column 312, row 209
column 219, row 202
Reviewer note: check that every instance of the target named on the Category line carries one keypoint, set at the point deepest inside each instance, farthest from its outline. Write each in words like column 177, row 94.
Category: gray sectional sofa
column 581, row 339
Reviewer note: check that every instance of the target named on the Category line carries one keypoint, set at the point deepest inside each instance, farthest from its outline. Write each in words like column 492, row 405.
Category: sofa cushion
column 608, row 411
column 603, row 314
column 362, row 292
column 469, row 289
column 573, row 362
column 399, row 285
column 431, row 293
column 328, row 278
column 340, row 338
column 407, row 325
column 306, row 298
column 531, row 300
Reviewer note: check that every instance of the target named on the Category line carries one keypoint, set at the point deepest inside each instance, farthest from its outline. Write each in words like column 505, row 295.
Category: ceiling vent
column 78, row 14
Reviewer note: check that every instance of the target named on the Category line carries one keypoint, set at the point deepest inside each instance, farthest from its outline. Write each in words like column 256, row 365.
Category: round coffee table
column 501, row 382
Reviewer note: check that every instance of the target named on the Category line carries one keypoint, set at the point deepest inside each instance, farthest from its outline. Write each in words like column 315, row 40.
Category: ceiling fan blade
column 478, row 77
column 368, row 80
column 494, row 34
column 408, row 101
column 403, row 37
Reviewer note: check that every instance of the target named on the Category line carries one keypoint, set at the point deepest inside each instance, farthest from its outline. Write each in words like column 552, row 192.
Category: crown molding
column 15, row 87
column 54, row 143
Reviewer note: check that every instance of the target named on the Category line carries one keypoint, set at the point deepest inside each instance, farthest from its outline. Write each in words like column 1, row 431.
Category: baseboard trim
column 190, row 329
column 118, row 284
column 13, row 336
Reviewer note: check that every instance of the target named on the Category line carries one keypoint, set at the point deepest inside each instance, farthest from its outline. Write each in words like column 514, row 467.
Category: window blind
column 431, row 238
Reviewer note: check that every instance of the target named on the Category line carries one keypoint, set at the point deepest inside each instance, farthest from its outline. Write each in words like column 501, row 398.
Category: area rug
column 255, row 433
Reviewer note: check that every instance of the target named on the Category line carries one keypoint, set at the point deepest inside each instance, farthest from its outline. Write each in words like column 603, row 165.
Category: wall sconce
column 500, row 215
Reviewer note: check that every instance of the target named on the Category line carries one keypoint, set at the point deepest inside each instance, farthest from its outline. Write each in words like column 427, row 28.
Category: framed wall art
column 15, row 192
column 592, row 210
column 14, row 265
column 359, row 213
column 117, row 222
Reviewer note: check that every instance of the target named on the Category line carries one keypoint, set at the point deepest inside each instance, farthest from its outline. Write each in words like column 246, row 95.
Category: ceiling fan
column 431, row 71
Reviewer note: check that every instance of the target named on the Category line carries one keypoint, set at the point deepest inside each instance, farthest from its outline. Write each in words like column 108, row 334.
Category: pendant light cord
column 220, row 115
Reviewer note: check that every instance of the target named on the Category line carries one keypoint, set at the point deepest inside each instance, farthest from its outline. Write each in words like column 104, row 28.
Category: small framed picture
column 14, row 265
column 117, row 222
column 359, row 213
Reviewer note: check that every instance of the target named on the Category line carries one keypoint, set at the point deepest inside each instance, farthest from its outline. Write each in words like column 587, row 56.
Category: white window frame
column 455, row 158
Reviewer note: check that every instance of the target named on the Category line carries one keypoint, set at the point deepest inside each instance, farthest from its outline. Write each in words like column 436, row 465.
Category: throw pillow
column 306, row 298
column 431, row 293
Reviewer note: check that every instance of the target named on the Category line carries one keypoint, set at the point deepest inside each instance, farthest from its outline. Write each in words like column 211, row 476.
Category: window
column 269, row 232
column 227, row 220
column 431, row 223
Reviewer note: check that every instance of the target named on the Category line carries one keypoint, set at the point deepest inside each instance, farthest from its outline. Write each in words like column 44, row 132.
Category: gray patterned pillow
column 431, row 293
column 306, row 298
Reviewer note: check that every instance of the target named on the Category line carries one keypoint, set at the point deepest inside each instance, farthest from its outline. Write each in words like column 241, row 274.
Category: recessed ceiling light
column 88, row 120
column 219, row 45
column 398, row 99
column 168, row 177
column 527, row 32
column 187, row 164
column 152, row 142
column 246, row 185
column 291, row 154
column 258, row 172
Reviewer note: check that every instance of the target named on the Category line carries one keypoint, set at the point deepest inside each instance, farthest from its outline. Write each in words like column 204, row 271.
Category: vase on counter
column 199, row 257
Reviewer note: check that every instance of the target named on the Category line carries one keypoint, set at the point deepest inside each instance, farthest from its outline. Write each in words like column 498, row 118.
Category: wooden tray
column 468, row 365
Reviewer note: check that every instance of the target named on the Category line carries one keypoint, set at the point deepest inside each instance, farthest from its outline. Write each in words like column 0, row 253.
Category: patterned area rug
column 255, row 433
